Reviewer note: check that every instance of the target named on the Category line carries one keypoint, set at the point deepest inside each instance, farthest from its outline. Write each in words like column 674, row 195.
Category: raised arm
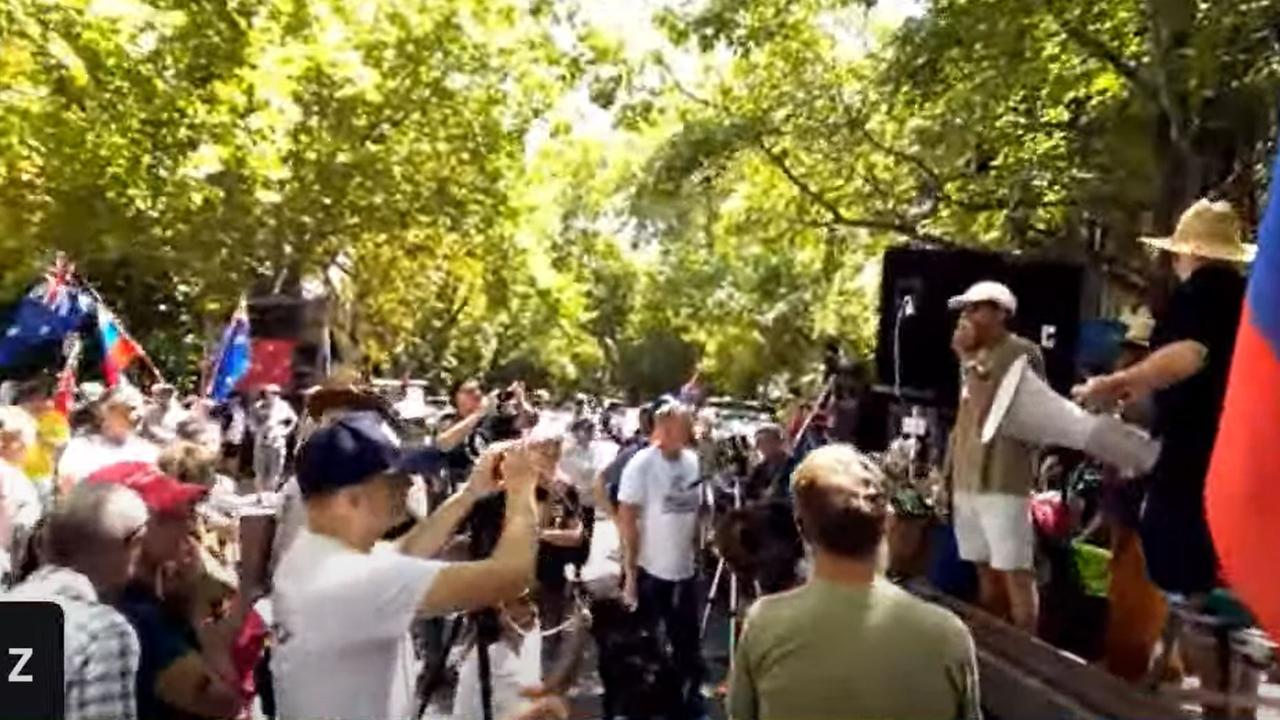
column 429, row 536
column 509, row 571
column 453, row 436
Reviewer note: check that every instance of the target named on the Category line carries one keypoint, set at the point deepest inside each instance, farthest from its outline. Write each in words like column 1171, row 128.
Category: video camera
column 500, row 426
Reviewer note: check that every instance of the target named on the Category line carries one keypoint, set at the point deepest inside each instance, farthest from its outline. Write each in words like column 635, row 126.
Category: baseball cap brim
column 163, row 494
column 960, row 302
column 424, row 461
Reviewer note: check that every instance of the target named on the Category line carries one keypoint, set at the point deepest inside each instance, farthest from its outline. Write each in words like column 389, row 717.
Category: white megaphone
column 1027, row 409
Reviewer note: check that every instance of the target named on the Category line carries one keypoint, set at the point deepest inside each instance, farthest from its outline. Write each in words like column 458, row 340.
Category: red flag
column 272, row 363
column 1242, row 493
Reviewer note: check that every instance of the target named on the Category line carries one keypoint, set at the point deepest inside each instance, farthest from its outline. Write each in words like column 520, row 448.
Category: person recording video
column 344, row 601
column 481, row 420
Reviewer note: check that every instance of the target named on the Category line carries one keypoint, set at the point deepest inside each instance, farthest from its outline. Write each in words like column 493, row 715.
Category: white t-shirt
column 273, row 420
column 342, row 617
column 669, row 494
column 512, row 671
column 88, row 454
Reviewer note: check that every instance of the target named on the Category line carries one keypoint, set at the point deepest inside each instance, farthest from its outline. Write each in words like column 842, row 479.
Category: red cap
column 163, row 494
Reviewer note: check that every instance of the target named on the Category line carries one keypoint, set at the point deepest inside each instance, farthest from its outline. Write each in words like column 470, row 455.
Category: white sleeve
column 631, row 487
column 377, row 597
column 71, row 464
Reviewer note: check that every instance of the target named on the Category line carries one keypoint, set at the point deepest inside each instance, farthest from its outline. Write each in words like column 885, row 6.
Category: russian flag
column 1242, row 493
column 119, row 350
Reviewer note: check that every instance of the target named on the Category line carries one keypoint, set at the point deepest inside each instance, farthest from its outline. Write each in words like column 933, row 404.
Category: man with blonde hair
column 849, row 643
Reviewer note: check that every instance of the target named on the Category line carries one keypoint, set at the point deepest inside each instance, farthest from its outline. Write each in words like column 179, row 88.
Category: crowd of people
column 463, row 577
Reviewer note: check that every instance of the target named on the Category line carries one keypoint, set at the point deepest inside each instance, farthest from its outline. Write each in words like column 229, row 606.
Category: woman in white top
column 116, row 440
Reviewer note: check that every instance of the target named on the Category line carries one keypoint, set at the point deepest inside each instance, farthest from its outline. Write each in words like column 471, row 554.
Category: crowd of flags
column 59, row 307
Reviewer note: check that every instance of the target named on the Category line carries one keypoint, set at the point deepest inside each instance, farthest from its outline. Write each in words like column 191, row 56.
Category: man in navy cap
column 344, row 601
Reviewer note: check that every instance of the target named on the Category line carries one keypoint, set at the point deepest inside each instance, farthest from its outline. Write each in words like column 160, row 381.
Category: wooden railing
column 1023, row 678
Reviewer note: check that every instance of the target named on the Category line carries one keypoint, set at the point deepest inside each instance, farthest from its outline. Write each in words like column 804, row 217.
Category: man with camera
column 344, row 601
column 481, row 420
column 849, row 643
column 658, row 521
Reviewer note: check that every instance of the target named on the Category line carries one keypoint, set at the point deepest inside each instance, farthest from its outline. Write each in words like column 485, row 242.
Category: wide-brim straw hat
column 1209, row 230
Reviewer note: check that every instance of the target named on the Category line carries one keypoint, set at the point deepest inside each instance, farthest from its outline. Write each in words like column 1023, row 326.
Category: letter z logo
column 16, row 675
column 32, row 673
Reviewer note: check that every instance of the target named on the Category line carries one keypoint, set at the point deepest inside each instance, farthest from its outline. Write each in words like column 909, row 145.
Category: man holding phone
column 344, row 601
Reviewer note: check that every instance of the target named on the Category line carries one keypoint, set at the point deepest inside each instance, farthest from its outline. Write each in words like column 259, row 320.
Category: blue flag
column 233, row 360
column 52, row 309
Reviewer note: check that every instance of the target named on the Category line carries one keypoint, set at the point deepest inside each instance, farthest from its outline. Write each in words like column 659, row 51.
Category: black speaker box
column 1048, row 314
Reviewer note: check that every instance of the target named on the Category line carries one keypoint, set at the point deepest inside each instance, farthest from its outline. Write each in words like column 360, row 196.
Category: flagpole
column 102, row 305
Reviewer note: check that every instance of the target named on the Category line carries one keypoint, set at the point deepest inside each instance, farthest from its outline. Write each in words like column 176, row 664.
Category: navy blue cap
column 347, row 452
column 423, row 461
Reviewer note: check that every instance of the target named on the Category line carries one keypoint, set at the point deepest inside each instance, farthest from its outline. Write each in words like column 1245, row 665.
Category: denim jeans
column 673, row 608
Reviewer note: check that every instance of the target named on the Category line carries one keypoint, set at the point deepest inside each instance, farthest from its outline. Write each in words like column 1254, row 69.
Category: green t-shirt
column 826, row 651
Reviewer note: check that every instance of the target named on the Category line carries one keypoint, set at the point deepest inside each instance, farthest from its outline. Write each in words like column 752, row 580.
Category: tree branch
column 838, row 217
column 1156, row 90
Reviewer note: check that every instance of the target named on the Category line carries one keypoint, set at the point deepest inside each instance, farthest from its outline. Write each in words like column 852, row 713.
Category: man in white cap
column 273, row 420
column 992, row 482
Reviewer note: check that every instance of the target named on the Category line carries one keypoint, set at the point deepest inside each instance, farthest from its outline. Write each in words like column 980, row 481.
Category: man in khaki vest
column 992, row 483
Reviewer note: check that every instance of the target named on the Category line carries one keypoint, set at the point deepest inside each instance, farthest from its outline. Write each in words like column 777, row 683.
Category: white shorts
column 994, row 529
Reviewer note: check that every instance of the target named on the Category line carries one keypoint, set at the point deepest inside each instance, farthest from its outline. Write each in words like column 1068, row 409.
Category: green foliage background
column 512, row 187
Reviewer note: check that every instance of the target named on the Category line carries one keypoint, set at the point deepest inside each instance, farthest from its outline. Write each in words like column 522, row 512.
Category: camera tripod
column 723, row 569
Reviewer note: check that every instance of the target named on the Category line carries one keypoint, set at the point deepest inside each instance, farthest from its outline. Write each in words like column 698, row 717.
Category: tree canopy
column 511, row 187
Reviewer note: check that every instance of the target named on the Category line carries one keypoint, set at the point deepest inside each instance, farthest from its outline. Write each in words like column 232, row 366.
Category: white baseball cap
column 986, row 291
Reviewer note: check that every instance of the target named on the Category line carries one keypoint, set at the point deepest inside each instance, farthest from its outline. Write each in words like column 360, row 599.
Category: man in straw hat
column 1186, row 376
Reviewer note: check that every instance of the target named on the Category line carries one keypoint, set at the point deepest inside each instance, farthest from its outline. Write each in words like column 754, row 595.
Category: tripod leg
column 733, row 616
column 711, row 597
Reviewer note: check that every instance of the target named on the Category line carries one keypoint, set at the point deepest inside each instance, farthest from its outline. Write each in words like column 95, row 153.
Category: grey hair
column 89, row 514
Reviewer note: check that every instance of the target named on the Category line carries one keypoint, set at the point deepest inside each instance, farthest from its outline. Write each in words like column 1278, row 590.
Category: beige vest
column 1004, row 466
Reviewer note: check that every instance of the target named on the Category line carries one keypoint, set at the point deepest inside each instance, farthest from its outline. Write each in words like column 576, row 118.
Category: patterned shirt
column 100, row 649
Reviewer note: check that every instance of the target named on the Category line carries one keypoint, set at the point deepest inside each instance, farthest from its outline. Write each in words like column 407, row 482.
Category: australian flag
column 52, row 309
column 233, row 359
